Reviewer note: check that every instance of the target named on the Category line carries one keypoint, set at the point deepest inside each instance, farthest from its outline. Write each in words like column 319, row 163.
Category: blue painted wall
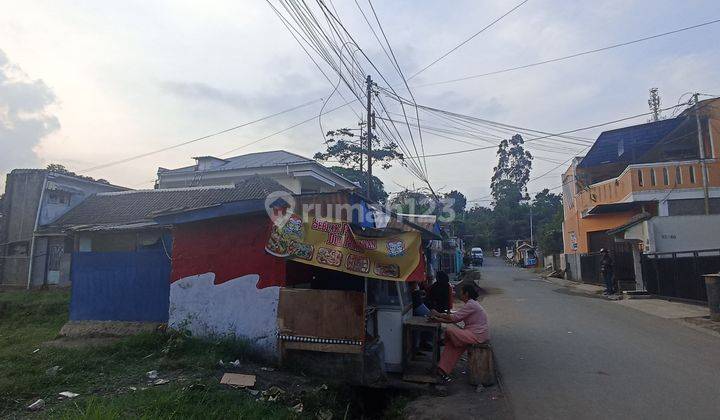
column 120, row 286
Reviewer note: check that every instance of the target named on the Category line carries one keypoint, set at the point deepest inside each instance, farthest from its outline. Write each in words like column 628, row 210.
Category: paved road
column 572, row 356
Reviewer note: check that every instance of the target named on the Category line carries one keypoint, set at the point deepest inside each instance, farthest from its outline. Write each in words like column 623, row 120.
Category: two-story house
column 640, row 172
column 33, row 198
column 296, row 173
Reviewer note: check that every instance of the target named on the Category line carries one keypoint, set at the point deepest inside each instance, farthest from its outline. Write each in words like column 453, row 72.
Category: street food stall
column 348, row 287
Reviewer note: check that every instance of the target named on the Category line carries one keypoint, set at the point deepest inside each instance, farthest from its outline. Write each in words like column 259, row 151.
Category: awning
column 634, row 221
column 617, row 207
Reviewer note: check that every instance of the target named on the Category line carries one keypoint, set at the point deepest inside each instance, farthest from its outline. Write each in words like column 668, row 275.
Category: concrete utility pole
column 369, row 134
column 703, row 164
column 531, row 227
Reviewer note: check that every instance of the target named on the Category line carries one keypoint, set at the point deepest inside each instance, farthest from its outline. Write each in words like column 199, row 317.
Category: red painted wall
column 228, row 247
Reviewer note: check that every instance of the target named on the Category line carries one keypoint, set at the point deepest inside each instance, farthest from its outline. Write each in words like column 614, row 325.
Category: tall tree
column 514, row 166
column 459, row 201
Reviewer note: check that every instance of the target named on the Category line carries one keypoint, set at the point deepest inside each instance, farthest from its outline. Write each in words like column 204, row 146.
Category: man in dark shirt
column 438, row 297
column 606, row 270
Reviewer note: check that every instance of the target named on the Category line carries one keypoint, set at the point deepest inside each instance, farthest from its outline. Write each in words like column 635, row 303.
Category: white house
column 296, row 173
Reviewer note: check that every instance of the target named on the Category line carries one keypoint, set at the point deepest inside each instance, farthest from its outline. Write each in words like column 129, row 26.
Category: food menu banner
column 333, row 245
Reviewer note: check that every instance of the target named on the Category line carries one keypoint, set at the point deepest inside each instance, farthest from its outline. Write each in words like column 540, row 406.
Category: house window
column 678, row 175
column 653, row 180
column 58, row 197
column 621, row 147
column 666, row 176
column 640, row 177
column 691, row 170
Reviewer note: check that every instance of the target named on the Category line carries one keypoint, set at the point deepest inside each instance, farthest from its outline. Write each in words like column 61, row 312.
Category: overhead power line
column 488, row 26
column 142, row 155
column 567, row 57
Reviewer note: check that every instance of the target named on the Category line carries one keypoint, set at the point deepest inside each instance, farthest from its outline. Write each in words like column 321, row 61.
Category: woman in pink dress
column 457, row 340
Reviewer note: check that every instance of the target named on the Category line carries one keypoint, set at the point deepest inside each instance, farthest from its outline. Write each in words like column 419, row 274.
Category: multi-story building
column 296, row 173
column 33, row 198
column 648, row 170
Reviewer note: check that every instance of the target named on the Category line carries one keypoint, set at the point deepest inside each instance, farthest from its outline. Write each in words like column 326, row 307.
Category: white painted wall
column 685, row 233
column 235, row 307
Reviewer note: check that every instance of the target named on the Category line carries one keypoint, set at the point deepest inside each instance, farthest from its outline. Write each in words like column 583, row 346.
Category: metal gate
column 679, row 274
column 120, row 286
column 623, row 269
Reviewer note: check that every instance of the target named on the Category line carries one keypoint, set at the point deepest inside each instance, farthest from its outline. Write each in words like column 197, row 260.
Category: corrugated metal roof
column 251, row 160
column 128, row 207
column 636, row 140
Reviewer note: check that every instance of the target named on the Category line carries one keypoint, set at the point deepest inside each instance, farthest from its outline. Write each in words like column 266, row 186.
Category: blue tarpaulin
column 120, row 286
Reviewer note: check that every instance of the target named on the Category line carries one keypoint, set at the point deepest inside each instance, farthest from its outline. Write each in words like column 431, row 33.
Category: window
column 691, row 170
column 666, row 176
column 58, row 197
column 653, row 180
column 640, row 177
column 621, row 147
column 678, row 175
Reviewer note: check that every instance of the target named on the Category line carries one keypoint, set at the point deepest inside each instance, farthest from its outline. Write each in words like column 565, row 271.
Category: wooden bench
column 481, row 365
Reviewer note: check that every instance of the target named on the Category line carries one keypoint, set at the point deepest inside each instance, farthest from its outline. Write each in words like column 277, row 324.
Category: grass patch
column 105, row 375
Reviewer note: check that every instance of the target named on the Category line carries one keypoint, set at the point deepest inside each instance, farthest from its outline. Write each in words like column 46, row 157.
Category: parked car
column 497, row 253
column 476, row 255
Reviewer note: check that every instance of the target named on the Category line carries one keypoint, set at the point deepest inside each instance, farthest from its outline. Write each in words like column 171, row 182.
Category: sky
column 83, row 83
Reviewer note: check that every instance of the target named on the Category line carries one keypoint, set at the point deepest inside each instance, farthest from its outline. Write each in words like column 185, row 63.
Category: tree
column 413, row 202
column 548, row 217
column 342, row 146
column 654, row 103
column 458, row 201
column 360, row 178
column 514, row 165
column 61, row 169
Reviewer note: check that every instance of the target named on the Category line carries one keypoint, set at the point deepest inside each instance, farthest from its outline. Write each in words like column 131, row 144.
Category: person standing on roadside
column 606, row 270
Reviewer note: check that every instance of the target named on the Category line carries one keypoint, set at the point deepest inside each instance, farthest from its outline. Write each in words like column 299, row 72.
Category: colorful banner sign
column 333, row 245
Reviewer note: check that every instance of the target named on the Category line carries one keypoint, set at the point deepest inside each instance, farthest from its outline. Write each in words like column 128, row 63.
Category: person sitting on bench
column 457, row 340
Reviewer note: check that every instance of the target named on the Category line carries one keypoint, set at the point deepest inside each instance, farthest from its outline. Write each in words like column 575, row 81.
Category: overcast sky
column 83, row 82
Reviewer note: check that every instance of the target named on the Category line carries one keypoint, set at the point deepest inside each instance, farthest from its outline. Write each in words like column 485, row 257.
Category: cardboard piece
column 239, row 380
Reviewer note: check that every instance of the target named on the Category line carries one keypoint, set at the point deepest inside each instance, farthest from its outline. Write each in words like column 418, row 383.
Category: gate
column 679, row 274
column 120, row 286
column 623, row 269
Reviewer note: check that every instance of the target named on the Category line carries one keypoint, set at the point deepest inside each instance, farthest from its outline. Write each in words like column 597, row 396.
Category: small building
column 298, row 174
column 121, row 256
column 34, row 198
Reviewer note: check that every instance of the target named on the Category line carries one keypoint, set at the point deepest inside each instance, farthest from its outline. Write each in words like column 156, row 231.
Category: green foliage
column 459, row 201
column 354, row 175
column 413, row 202
column 514, row 166
column 350, row 149
column 61, row 169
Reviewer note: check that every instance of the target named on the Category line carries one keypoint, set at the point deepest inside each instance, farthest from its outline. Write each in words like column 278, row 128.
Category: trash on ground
column 37, row 405
column 160, row 382
column 238, row 379
column 253, row 392
column 53, row 370
column 68, row 394
column 221, row 363
column 153, row 374
column 272, row 394
column 480, row 389
column 297, row 408
column 236, row 363
column 267, row 369
column 35, row 351
column 132, row 388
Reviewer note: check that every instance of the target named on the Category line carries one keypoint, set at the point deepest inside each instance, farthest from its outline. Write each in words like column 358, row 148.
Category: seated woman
column 457, row 340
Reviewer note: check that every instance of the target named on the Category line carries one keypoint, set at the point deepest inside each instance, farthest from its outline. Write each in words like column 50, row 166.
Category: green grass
column 103, row 375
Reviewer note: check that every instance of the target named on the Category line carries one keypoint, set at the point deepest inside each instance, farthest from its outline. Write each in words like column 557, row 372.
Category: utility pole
column 369, row 134
column 531, row 226
column 703, row 164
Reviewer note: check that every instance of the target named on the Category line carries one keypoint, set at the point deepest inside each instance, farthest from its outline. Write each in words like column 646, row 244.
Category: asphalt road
column 565, row 355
